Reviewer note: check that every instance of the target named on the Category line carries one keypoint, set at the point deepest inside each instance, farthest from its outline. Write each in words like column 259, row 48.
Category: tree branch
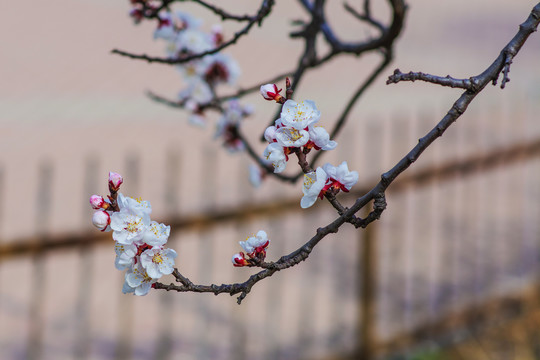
column 501, row 64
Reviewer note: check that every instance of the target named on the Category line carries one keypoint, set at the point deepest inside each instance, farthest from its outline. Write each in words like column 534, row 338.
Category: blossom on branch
column 327, row 178
column 314, row 182
column 255, row 247
column 138, row 281
column 320, row 139
column 275, row 155
column 299, row 115
column 340, row 177
column 293, row 130
column 255, row 244
column 158, row 261
column 139, row 241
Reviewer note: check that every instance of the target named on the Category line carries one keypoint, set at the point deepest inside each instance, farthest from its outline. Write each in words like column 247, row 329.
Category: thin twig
column 263, row 12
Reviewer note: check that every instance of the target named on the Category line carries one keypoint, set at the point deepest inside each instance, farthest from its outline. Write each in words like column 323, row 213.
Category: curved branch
column 221, row 13
column 491, row 74
column 397, row 76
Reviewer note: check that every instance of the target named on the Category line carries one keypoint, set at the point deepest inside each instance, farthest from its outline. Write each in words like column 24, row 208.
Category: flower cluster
column 255, row 248
column 139, row 241
column 184, row 37
column 293, row 130
column 327, row 178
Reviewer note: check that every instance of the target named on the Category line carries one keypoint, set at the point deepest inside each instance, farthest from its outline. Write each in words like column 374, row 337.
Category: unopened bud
column 239, row 260
column 270, row 134
column 101, row 220
column 271, row 92
column 115, row 180
column 97, row 202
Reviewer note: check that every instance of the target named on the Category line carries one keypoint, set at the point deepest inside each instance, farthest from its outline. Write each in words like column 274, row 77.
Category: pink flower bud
column 115, row 180
column 101, row 220
column 270, row 92
column 97, row 202
column 239, row 260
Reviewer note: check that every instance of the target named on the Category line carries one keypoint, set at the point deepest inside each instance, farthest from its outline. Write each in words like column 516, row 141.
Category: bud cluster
column 139, row 241
column 255, row 248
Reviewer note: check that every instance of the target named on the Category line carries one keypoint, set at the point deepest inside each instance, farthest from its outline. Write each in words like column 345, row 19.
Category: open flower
column 134, row 205
column 291, row 137
column 276, row 156
column 129, row 226
column 138, row 281
column 125, row 256
column 255, row 244
column 320, row 139
column 340, row 177
column 156, row 234
column 299, row 115
column 158, row 261
column 314, row 182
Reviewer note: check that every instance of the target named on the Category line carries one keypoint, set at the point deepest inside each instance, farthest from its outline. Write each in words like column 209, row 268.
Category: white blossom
column 252, row 243
column 125, row 256
column 156, row 234
column 299, row 115
column 194, row 41
column 345, row 179
column 291, row 137
column 314, row 182
column 270, row 134
column 320, row 137
column 138, row 206
column 158, row 261
column 129, row 226
column 275, row 155
column 198, row 91
column 137, row 278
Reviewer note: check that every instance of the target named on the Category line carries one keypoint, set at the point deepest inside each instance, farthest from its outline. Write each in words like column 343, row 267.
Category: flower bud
column 97, row 202
column 271, row 92
column 239, row 260
column 270, row 134
column 115, row 180
column 101, row 220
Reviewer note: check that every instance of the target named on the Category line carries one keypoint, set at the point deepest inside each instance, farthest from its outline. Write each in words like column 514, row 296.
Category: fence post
column 367, row 275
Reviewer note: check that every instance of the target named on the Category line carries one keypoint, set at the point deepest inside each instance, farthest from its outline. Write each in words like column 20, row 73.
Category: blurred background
column 449, row 272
